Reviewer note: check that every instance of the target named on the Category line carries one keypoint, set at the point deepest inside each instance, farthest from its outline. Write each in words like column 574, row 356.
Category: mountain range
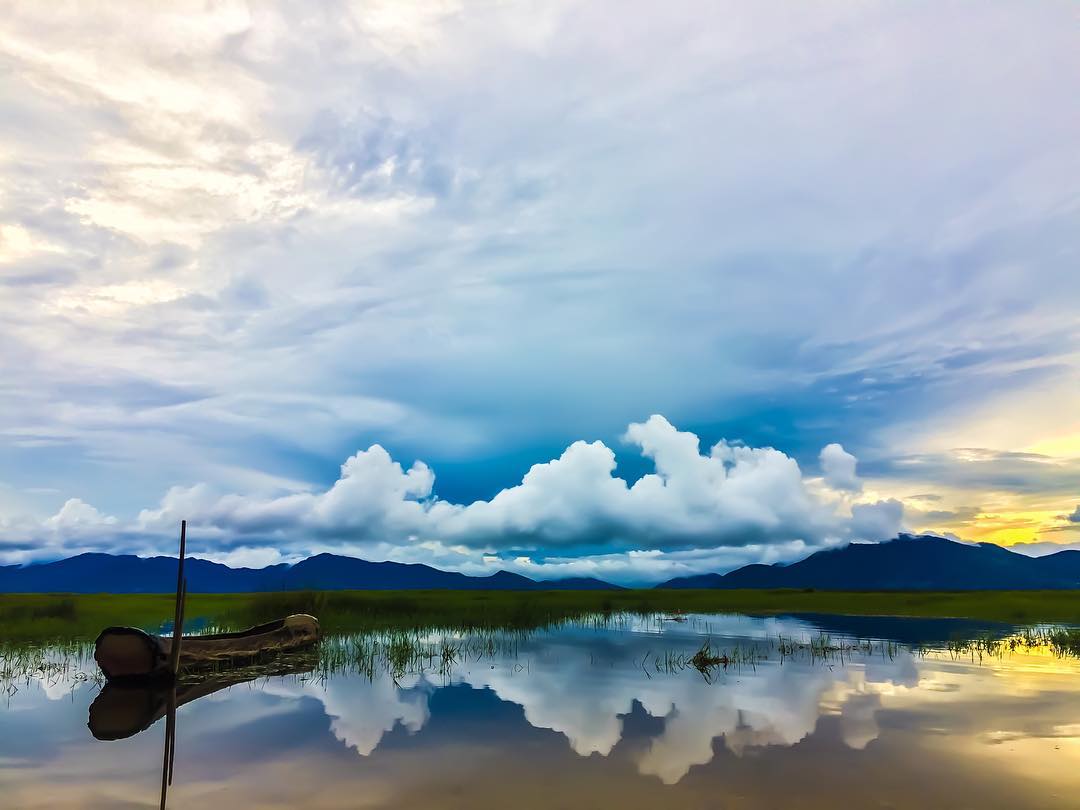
column 909, row 562
column 108, row 573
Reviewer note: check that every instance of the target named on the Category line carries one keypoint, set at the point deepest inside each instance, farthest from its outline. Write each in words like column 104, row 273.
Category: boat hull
column 127, row 653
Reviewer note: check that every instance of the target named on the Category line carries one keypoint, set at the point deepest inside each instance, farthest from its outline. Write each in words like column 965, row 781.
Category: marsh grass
column 1063, row 642
column 825, row 648
column 820, row 648
column 398, row 653
column 433, row 651
column 45, row 637
column 61, row 608
column 70, row 664
column 708, row 661
column 29, row 617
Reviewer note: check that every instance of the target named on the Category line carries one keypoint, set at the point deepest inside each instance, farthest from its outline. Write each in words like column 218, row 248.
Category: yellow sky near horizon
column 1005, row 516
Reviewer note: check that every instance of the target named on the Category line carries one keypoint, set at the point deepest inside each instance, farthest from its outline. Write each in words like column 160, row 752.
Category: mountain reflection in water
column 584, row 716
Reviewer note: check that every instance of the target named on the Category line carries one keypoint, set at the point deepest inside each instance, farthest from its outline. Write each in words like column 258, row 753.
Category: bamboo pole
column 178, row 612
column 180, row 624
column 174, row 665
column 170, row 737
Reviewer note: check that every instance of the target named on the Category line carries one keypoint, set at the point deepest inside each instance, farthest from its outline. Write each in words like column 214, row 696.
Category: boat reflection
column 122, row 710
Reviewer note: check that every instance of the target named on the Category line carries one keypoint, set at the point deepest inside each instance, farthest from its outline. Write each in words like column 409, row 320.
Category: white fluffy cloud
column 730, row 496
column 78, row 516
column 872, row 521
column 838, row 468
column 569, row 516
column 373, row 499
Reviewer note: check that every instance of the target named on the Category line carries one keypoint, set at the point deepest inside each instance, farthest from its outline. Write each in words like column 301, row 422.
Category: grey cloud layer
column 239, row 245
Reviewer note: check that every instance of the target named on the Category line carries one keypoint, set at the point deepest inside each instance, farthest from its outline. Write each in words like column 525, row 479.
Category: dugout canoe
column 130, row 654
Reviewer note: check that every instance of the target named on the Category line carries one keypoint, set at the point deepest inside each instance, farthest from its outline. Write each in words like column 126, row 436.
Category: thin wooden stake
column 177, row 637
column 174, row 664
column 178, row 612
column 172, row 739
column 170, row 736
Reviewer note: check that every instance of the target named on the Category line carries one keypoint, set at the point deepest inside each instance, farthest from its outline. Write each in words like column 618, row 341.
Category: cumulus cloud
column 570, row 516
column 77, row 516
column 373, row 498
column 1074, row 517
column 838, row 468
column 878, row 520
column 731, row 495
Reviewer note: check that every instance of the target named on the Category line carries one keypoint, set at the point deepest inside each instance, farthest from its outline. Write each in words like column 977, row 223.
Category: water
column 583, row 716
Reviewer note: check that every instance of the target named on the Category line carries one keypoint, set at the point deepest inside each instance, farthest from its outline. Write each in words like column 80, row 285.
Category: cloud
column 305, row 234
column 838, row 467
column 77, row 516
column 876, row 521
column 1074, row 517
column 1043, row 548
column 373, row 499
column 571, row 516
column 299, row 236
column 981, row 468
column 730, row 496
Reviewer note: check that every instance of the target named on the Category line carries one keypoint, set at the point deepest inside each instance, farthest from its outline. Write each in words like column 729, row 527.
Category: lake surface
column 584, row 716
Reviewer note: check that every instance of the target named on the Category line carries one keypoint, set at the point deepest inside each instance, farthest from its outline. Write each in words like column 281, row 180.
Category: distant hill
column 909, row 562
column 109, row 573
column 906, row 563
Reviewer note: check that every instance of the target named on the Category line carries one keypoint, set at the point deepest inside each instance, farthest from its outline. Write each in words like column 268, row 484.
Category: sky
column 557, row 287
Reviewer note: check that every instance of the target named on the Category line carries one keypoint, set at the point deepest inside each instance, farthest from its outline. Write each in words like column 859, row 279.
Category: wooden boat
column 127, row 653
column 130, row 654
column 149, row 676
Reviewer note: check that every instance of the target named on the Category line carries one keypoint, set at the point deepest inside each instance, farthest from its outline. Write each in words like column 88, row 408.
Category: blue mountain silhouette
column 910, row 562
column 109, row 573
column 907, row 563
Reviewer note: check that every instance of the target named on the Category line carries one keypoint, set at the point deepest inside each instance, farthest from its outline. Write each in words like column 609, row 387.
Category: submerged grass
column 27, row 617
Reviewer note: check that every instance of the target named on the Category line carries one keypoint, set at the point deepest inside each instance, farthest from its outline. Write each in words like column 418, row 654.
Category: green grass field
column 34, row 617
